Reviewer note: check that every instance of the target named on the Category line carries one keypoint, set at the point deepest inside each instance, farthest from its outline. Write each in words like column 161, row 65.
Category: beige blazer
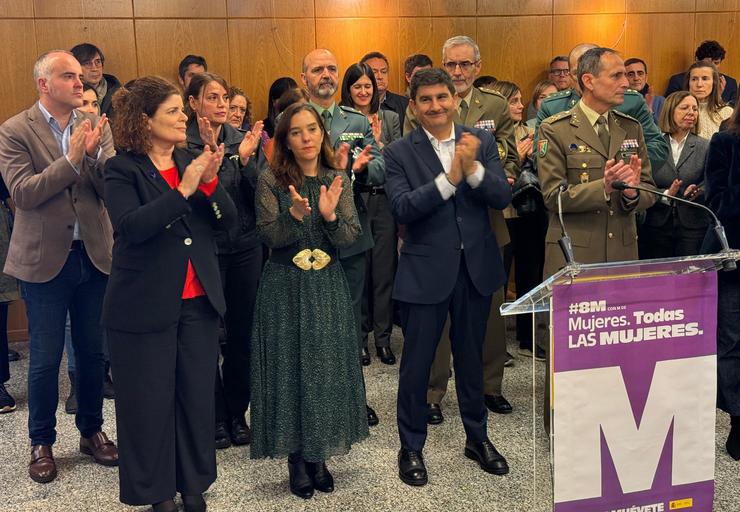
column 49, row 196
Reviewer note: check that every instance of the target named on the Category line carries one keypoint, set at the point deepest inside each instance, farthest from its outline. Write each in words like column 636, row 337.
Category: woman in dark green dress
column 308, row 400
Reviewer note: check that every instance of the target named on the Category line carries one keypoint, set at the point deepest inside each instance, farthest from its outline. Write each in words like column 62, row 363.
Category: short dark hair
column 427, row 77
column 88, row 87
column 85, row 52
column 417, row 60
column 374, row 55
column 559, row 58
column 352, row 75
column 710, row 49
column 182, row 68
column 635, row 60
column 485, row 81
column 590, row 62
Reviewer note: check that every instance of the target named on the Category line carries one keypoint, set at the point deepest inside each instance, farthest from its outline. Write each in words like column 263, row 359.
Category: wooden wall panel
column 509, row 8
column 16, row 9
column 602, row 29
column 644, row 37
column 587, row 6
column 356, row 8
column 422, row 8
column 660, row 6
column 83, row 9
column 263, row 50
column 274, row 8
column 496, row 36
column 114, row 37
column 717, row 5
column 18, row 53
column 349, row 44
column 179, row 9
column 723, row 28
column 161, row 44
column 427, row 35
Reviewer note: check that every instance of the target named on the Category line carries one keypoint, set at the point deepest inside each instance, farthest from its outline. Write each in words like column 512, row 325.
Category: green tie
column 463, row 111
column 602, row 132
column 326, row 114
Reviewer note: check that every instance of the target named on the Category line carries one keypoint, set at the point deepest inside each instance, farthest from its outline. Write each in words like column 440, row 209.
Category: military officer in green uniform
column 634, row 105
column 352, row 138
column 487, row 109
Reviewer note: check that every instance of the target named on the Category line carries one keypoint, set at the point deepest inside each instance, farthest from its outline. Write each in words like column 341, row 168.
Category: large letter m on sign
column 587, row 402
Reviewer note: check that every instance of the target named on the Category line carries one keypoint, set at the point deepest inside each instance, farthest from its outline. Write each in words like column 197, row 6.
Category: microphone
column 719, row 230
column 564, row 241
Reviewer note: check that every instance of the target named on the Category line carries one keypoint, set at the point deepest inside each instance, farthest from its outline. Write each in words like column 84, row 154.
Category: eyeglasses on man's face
column 465, row 65
column 560, row 72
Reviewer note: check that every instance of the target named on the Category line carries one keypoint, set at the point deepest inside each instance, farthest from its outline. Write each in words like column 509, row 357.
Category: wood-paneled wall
column 252, row 42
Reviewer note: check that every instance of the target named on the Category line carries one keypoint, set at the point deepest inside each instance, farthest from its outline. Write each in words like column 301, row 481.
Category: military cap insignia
column 542, row 147
column 488, row 125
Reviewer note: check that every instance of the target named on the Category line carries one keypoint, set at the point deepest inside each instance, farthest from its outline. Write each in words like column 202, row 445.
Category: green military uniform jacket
column 634, row 105
column 488, row 110
column 351, row 126
column 569, row 149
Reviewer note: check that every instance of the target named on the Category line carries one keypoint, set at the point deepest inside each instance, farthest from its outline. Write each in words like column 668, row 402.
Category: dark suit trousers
column 670, row 240
column 4, row 368
column 422, row 326
column 165, row 406
column 377, row 303
column 354, row 271
column 240, row 276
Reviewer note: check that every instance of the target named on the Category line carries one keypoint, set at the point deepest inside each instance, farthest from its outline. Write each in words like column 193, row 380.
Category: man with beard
column 352, row 137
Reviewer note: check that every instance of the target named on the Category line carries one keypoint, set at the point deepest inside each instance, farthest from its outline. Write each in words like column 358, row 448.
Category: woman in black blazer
column 671, row 228
column 163, row 298
column 722, row 179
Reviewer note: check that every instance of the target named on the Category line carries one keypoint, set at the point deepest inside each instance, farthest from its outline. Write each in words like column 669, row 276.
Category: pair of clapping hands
column 85, row 140
column 629, row 173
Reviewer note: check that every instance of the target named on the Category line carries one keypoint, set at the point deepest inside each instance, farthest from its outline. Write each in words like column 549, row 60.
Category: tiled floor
column 366, row 478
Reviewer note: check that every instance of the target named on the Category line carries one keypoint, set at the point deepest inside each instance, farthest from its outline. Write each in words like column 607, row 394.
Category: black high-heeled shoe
column 319, row 473
column 300, row 482
column 733, row 440
column 164, row 506
column 194, row 502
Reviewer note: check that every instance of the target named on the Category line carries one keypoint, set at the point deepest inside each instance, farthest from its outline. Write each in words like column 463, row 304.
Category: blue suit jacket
column 436, row 229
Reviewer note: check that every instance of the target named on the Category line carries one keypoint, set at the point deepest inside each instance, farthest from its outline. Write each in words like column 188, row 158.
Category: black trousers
column 240, row 275
column 377, row 303
column 4, row 367
column 165, row 407
column 669, row 240
column 354, row 271
column 527, row 250
column 422, row 326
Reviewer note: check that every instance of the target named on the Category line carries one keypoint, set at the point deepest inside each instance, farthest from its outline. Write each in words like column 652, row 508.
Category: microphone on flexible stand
column 564, row 241
column 719, row 230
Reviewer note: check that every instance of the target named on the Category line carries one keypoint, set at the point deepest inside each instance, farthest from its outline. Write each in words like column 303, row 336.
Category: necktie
column 602, row 132
column 463, row 111
column 326, row 115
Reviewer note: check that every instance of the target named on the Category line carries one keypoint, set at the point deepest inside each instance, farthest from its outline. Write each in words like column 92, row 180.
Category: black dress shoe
column 372, row 418
column 240, row 432
column 498, row 404
column 510, row 360
column 13, row 355
column 733, row 439
column 222, row 436
column 319, row 473
column 411, row 468
column 194, row 503
column 490, row 460
column 365, row 357
column 300, row 482
column 434, row 414
column 386, row 355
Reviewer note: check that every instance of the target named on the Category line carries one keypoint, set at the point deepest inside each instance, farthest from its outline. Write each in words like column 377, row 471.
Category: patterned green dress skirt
column 307, row 388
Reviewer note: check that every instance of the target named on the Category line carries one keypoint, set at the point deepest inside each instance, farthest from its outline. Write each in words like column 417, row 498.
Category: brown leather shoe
column 101, row 448
column 42, row 468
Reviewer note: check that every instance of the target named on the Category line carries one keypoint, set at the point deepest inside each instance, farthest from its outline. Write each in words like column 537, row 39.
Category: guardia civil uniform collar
column 332, row 108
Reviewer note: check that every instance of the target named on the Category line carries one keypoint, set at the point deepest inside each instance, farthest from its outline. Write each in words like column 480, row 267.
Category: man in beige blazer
column 52, row 158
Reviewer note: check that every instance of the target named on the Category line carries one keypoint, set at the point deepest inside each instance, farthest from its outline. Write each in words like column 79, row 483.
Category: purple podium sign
column 633, row 394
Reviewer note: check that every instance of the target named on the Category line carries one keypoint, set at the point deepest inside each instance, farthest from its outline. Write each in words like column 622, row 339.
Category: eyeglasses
column 95, row 63
column 465, row 65
column 560, row 72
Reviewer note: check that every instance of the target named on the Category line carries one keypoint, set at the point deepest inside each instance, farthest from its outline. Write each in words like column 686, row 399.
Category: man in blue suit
column 441, row 180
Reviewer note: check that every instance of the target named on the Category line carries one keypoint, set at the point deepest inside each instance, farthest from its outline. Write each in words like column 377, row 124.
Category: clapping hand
column 207, row 135
column 328, row 199
column 201, row 170
column 377, row 126
column 467, row 149
column 93, row 137
column 673, row 189
column 300, row 206
column 524, row 148
column 250, row 142
column 214, row 164
column 360, row 162
column 692, row 192
column 629, row 173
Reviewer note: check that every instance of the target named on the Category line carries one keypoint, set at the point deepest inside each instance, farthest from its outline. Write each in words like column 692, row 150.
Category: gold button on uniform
column 611, row 235
column 189, row 241
column 611, row 212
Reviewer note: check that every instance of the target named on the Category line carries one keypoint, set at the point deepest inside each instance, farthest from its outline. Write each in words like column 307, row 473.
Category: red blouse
column 192, row 287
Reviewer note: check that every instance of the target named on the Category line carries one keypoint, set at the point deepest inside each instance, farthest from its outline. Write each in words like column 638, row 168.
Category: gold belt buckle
column 303, row 259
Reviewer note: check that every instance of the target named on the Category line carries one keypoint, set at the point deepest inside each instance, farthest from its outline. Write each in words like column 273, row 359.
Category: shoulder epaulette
column 566, row 93
column 632, row 92
column 491, row 91
column 558, row 116
column 626, row 116
column 350, row 109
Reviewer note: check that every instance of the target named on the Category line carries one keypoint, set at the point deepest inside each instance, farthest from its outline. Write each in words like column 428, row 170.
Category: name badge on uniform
column 488, row 124
column 627, row 149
